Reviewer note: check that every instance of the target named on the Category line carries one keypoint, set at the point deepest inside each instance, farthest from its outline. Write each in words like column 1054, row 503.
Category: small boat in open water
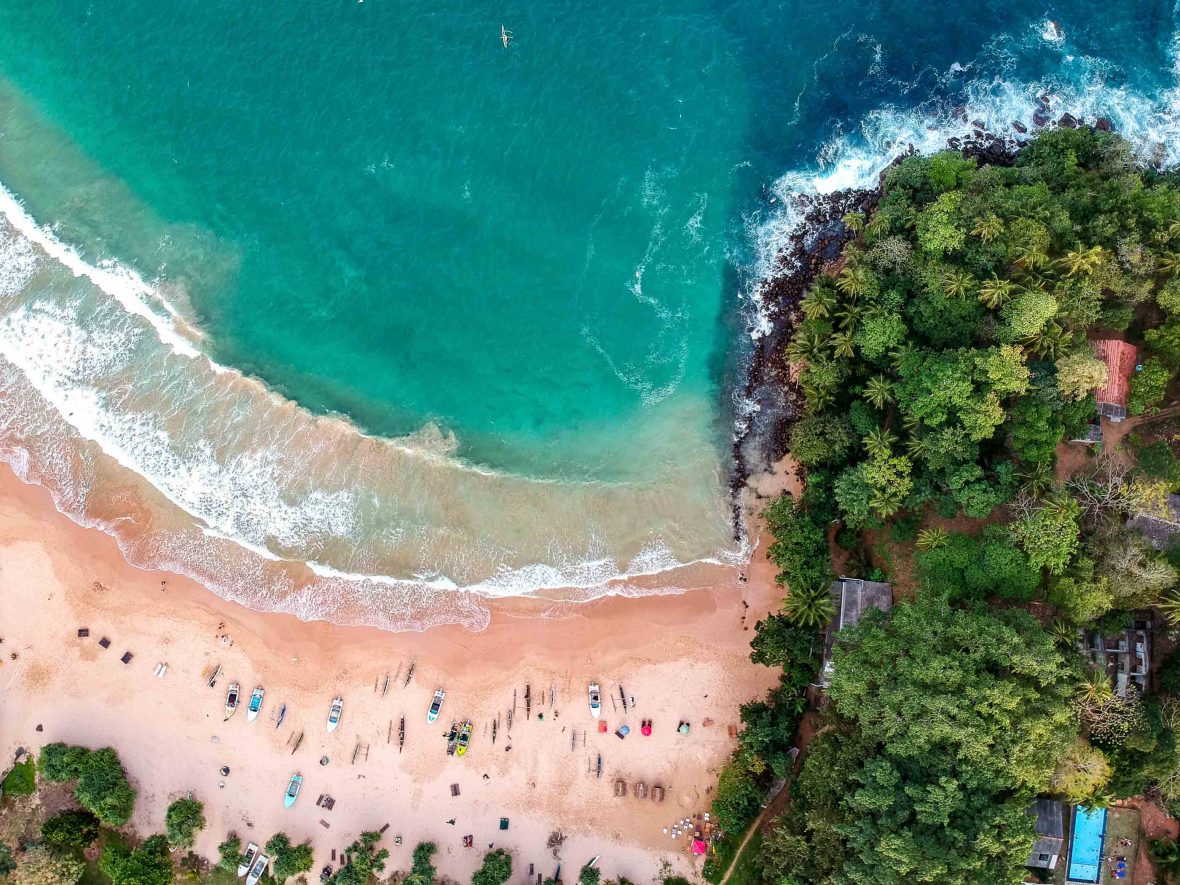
column 435, row 705
column 247, row 860
column 258, row 870
column 334, row 714
column 464, row 738
column 255, row 703
column 293, row 790
column 231, row 699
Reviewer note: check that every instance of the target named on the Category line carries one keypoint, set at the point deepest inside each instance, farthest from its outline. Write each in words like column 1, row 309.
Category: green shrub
column 183, row 819
column 21, row 780
column 62, row 762
column 496, row 869
column 103, row 788
column 71, row 829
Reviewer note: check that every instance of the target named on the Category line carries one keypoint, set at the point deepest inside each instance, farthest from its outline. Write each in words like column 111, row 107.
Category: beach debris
column 389, row 732
column 623, row 698
column 495, row 725
column 298, row 741
column 410, row 674
column 555, row 841
column 598, row 768
column 401, row 734
column 385, row 687
column 212, row 680
column 528, row 702
column 358, row 750
column 325, row 825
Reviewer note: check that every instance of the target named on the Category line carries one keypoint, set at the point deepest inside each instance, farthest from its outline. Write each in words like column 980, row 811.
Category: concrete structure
column 1125, row 656
column 852, row 598
column 1050, row 827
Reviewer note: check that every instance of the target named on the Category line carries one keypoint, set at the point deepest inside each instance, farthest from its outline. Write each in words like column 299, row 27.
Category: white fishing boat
column 595, row 700
column 334, row 714
column 231, row 699
column 258, row 870
column 255, row 703
column 247, row 860
column 293, row 790
column 435, row 705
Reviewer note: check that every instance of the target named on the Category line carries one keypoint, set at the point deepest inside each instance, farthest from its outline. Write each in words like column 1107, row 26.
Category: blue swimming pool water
column 1085, row 846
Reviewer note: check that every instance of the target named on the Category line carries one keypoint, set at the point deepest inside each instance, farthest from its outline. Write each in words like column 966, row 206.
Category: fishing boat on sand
column 231, row 699
column 453, row 738
column 247, row 859
column 293, row 790
column 255, row 703
column 334, row 714
column 435, row 705
column 258, row 870
column 464, row 738
column 282, row 716
column 595, row 700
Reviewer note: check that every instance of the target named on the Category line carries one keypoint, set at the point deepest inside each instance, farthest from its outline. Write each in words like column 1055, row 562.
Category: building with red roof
column 1121, row 359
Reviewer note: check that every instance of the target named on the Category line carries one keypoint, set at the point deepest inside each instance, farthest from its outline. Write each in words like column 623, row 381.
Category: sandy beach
column 676, row 658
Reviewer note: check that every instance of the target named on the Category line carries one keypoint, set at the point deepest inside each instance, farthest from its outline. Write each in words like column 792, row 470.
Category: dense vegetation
column 102, row 785
column 944, row 359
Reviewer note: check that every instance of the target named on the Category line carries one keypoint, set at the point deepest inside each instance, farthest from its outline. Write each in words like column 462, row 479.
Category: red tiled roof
column 1120, row 358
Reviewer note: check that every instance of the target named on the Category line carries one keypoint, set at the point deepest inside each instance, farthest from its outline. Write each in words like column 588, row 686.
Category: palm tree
column 988, row 228
column 1064, row 633
column 916, row 447
column 810, row 606
column 932, row 538
column 885, row 502
column 1084, row 261
column 1169, row 264
column 1046, row 343
column 996, row 293
column 879, row 391
column 808, row 345
column 818, row 303
column 854, row 221
column 1173, row 230
column 879, row 441
column 853, row 281
column 842, row 345
column 957, row 283
column 850, row 316
column 901, row 353
column 1030, row 255
column 1169, row 606
column 1095, row 689
column 1039, row 479
column 879, row 224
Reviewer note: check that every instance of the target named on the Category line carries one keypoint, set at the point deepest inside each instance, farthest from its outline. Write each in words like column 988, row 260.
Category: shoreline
column 76, row 577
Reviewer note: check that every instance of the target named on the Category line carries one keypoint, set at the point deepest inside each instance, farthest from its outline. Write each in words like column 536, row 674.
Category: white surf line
column 121, row 283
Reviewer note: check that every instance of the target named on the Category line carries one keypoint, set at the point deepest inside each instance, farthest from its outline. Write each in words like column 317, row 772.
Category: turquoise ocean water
column 372, row 316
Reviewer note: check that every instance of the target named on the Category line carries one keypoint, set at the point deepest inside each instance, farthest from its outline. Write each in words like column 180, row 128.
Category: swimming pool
column 1085, row 844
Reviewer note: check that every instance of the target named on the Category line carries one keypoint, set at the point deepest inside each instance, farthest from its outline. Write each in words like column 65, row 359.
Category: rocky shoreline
column 771, row 399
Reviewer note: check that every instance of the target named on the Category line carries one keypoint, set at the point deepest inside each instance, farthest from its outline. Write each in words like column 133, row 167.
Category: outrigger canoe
column 231, row 699
column 255, row 703
column 595, row 700
column 258, row 870
column 293, row 790
column 435, row 705
column 247, row 860
column 453, row 738
column 464, row 738
column 282, row 716
column 334, row 714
